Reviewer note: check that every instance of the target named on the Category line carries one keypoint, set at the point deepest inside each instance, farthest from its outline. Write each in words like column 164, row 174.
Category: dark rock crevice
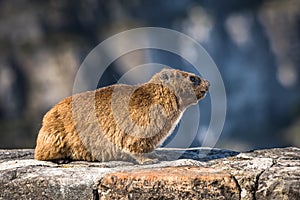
column 258, row 177
column 238, row 186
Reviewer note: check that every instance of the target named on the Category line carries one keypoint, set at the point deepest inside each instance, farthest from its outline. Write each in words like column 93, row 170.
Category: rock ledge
column 196, row 173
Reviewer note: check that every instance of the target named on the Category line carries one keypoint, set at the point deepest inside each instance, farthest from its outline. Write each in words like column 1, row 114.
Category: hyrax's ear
column 177, row 74
column 165, row 75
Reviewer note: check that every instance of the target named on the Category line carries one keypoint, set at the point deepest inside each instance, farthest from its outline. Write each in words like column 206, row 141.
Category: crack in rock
column 257, row 178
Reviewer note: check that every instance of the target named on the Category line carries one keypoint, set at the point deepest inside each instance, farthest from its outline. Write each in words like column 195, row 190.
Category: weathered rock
column 185, row 182
column 200, row 173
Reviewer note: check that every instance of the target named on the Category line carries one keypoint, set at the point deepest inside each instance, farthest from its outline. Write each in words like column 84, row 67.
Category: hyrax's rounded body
column 118, row 122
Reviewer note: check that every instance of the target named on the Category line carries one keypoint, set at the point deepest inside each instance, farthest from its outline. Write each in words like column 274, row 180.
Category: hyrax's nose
column 207, row 84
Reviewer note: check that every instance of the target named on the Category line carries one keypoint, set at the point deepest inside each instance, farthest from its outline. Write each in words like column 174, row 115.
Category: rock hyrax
column 118, row 122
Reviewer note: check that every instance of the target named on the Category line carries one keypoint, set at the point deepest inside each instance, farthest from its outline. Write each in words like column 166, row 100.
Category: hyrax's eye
column 164, row 77
column 195, row 80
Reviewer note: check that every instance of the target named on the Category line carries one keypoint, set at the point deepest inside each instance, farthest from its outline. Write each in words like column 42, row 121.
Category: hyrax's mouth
column 201, row 95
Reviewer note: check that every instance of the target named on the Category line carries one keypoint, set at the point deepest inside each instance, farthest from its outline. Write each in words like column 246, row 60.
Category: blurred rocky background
column 254, row 43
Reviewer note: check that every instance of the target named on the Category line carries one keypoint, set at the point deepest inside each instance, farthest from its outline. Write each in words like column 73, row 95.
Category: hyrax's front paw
column 146, row 159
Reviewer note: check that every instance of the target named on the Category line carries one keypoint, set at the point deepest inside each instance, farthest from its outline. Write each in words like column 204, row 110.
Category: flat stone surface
column 183, row 182
column 185, row 173
column 12, row 154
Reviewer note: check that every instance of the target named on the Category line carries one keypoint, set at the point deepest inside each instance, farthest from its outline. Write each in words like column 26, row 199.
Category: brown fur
column 118, row 122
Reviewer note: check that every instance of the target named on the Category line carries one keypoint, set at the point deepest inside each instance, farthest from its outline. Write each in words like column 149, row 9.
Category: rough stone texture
column 199, row 173
column 185, row 182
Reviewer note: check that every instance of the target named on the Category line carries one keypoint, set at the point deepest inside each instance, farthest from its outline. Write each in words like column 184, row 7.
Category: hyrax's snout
column 206, row 84
column 204, row 87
